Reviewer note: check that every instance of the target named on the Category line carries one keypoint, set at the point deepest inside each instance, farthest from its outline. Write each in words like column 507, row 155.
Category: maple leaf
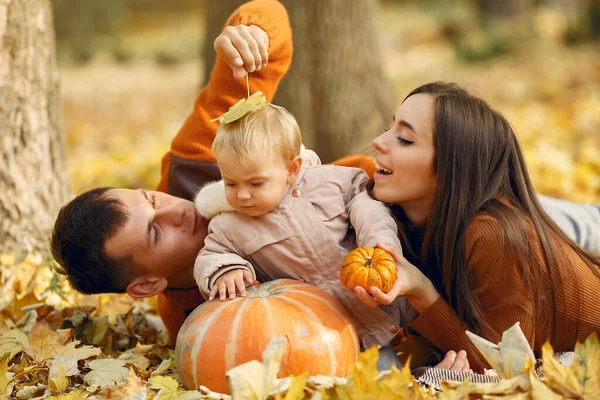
column 559, row 378
column 74, row 395
column 296, row 389
column 12, row 342
column 45, row 343
column 589, row 354
column 167, row 387
column 133, row 389
column 243, row 107
column 67, row 363
column 3, row 379
column 508, row 357
column 106, row 372
column 253, row 380
column 59, row 383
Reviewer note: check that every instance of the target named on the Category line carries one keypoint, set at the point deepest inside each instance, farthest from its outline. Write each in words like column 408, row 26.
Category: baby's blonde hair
column 271, row 129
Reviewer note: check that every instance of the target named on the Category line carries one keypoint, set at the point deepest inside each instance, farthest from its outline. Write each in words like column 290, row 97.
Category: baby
column 291, row 219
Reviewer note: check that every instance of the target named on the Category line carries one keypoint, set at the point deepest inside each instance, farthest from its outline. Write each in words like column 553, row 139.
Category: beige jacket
column 306, row 238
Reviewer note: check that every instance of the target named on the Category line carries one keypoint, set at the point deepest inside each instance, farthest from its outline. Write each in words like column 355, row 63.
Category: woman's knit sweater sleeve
column 190, row 162
column 496, row 281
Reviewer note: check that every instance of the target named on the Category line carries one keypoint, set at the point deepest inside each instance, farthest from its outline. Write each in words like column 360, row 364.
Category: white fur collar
column 211, row 200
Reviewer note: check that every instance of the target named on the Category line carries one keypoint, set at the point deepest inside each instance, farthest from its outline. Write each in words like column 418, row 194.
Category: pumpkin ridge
column 335, row 310
column 231, row 349
column 308, row 311
column 200, row 337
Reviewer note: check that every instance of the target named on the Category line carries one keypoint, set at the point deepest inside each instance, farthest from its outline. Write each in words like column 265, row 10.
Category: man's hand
column 244, row 48
column 228, row 282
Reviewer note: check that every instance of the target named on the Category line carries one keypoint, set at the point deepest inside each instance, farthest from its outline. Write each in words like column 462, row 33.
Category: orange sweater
column 505, row 298
column 190, row 163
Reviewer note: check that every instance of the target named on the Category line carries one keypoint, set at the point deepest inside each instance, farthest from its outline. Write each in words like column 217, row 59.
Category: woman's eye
column 257, row 184
column 153, row 200
column 404, row 141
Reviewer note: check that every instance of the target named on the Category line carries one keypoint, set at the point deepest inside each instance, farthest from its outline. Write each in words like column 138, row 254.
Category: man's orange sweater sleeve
column 191, row 148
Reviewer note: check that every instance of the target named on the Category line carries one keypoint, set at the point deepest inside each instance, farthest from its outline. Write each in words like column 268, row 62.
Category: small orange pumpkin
column 367, row 267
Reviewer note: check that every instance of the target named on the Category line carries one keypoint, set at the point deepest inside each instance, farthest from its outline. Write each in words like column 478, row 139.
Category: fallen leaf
column 12, row 342
column 296, row 389
column 67, row 363
column 60, row 382
column 134, row 389
column 45, row 343
column 106, row 372
column 3, row 379
column 253, row 380
column 559, row 378
column 508, row 357
column 167, row 387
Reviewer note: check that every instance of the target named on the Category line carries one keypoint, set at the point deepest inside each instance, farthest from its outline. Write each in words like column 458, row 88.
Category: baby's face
column 255, row 187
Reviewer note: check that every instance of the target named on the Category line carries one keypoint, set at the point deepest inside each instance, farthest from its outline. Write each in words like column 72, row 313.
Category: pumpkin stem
column 369, row 262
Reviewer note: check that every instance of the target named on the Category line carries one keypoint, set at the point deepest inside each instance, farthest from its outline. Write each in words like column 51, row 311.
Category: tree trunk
column 33, row 176
column 336, row 87
column 494, row 9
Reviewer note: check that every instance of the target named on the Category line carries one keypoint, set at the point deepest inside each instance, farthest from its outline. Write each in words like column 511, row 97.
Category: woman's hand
column 410, row 283
column 455, row 362
column 244, row 48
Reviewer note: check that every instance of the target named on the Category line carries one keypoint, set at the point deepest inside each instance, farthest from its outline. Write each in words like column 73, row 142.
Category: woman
column 481, row 254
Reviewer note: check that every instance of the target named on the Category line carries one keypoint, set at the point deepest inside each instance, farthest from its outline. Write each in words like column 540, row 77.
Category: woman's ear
column 146, row 287
column 294, row 170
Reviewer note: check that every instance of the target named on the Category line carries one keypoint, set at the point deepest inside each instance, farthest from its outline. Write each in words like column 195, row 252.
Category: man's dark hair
column 82, row 227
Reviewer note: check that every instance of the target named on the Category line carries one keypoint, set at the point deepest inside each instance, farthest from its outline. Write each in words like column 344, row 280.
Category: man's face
column 163, row 235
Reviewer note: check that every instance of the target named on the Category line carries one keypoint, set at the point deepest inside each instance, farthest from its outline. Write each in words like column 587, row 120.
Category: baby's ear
column 294, row 169
column 146, row 287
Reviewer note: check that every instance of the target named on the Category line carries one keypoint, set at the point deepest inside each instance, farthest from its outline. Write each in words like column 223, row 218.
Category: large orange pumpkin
column 218, row 336
column 366, row 267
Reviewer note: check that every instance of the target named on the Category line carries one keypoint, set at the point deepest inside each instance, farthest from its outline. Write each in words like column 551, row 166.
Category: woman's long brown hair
column 477, row 163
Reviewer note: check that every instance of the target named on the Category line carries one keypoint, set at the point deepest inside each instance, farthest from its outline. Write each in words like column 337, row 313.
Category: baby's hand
column 228, row 282
column 244, row 48
column 455, row 361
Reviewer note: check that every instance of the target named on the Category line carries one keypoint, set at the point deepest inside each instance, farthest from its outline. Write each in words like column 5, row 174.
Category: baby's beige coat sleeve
column 218, row 256
column 372, row 220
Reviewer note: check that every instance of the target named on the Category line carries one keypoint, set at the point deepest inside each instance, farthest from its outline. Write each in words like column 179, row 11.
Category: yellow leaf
column 134, row 387
column 243, row 107
column 166, row 386
column 106, row 372
column 3, row 379
column 253, row 380
column 12, row 342
column 364, row 371
column 60, row 383
column 296, row 390
column 74, row 395
column 539, row 391
column 559, row 378
column 589, row 354
column 45, row 343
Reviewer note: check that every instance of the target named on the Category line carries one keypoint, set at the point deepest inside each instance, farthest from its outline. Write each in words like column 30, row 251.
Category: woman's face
column 405, row 156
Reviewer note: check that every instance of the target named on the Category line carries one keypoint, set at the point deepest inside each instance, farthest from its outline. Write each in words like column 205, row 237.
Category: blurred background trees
column 33, row 176
column 131, row 70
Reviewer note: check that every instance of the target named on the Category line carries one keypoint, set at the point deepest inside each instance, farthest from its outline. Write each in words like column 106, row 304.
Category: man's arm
column 190, row 162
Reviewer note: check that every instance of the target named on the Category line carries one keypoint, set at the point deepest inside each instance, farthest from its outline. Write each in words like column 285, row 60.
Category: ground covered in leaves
column 109, row 347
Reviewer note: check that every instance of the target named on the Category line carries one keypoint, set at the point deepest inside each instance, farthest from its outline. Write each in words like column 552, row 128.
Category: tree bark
column 336, row 86
column 33, row 177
